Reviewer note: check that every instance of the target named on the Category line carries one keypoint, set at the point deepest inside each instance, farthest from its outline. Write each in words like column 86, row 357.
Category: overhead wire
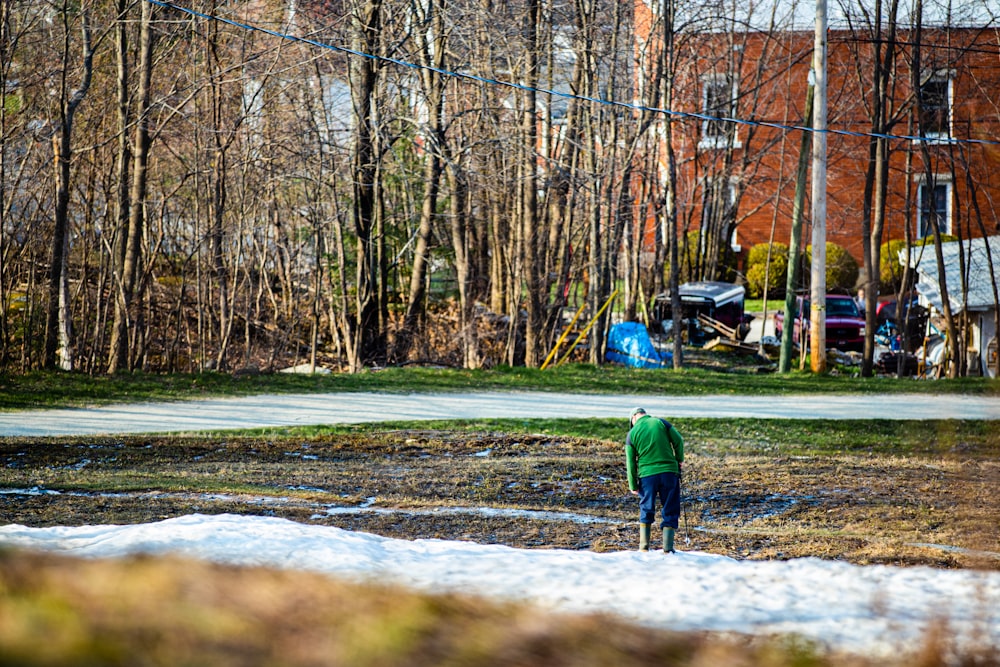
column 672, row 113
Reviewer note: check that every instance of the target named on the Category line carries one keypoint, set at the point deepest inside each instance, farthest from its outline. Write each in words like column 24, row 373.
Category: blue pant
column 666, row 486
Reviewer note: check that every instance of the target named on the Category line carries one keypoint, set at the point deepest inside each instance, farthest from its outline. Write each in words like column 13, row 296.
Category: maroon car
column 845, row 323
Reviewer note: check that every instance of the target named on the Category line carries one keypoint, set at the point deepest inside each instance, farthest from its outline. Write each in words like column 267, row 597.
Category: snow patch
column 875, row 610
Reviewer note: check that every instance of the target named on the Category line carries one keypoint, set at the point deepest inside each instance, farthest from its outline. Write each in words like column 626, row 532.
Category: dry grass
column 862, row 509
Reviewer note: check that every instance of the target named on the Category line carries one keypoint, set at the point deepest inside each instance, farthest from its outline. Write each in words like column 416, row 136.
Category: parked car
column 889, row 323
column 845, row 324
column 886, row 310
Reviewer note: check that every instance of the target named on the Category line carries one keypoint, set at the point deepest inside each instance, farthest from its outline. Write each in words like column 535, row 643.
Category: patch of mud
column 742, row 509
column 530, row 491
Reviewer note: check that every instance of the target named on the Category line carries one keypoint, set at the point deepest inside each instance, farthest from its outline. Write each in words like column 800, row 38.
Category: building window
column 718, row 101
column 935, row 201
column 935, row 106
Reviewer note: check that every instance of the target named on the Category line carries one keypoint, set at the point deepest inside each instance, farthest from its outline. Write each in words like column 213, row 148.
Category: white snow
column 875, row 610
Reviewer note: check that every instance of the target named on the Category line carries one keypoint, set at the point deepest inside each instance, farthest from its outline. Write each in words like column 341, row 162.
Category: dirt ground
column 862, row 508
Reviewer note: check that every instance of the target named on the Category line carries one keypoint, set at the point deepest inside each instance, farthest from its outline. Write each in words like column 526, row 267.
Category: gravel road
column 347, row 408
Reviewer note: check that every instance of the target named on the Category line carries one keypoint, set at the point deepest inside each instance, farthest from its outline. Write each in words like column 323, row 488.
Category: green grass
column 59, row 389
column 932, row 476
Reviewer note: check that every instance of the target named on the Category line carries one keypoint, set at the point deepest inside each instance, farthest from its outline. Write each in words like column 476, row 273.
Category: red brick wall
column 777, row 69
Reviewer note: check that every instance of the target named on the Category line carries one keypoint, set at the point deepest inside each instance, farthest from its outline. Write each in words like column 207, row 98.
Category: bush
column 841, row 268
column 890, row 271
column 757, row 267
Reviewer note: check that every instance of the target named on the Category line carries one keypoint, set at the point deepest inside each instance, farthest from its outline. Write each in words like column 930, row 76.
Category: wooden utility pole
column 817, row 333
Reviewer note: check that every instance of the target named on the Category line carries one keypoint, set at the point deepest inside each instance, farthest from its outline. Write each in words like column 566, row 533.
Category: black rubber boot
column 644, row 530
column 668, row 540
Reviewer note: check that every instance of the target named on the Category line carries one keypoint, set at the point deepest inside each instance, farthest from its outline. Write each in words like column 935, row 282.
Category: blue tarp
column 629, row 344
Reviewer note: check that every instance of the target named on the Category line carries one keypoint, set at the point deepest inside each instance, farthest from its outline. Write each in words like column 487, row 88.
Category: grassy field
column 867, row 492
column 863, row 491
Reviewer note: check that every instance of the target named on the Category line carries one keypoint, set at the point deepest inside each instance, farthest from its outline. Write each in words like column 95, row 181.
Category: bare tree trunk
column 216, row 241
column 219, row 193
column 121, row 356
column 123, row 159
column 795, row 240
column 973, row 190
column 907, row 277
column 535, row 298
column 460, row 233
column 670, row 207
column 433, row 46
column 367, row 345
column 7, row 40
column 876, row 181
column 916, row 72
column 57, row 326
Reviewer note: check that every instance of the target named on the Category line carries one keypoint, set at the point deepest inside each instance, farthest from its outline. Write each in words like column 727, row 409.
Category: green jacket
column 651, row 447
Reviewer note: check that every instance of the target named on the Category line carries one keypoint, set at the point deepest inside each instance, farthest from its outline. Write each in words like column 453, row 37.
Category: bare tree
column 431, row 37
column 58, row 326
column 670, row 198
column 916, row 73
column 881, row 34
column 15, row 159
column 127, row 263
column 367, row 342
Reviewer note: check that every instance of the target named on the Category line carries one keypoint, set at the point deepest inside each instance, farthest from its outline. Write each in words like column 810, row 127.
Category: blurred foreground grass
column 165, row 611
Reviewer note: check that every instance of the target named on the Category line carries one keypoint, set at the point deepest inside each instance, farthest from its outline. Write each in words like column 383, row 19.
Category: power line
column 682, row 115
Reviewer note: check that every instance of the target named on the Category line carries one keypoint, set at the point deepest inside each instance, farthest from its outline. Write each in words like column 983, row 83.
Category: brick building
column 736, row 175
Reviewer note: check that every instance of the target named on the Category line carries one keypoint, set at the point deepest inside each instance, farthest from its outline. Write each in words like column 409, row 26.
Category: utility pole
column 817, row 320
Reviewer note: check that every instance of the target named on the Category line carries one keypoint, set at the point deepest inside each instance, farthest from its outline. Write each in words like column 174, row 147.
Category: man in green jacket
column 654, row 451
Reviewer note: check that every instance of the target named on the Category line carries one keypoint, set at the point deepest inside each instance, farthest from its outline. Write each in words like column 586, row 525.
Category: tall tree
column 128, row 262
column 670, row 205
column 882, row 32
column 917, row 73
column 368, row 340
column 58, row 333
column 532, row 276
column 122, row 190
column 432, row 46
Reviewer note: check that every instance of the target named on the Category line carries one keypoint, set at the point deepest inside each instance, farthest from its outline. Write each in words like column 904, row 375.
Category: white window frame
column 727, row 139
column 939, row 181
column 947, row 76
